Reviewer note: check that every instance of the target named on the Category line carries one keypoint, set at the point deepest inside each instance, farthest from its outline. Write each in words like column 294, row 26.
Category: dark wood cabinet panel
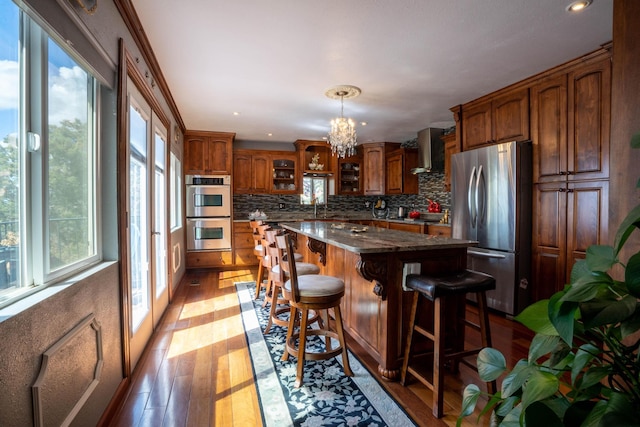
column 476, row 128
column 510, row 116
column 450, row 148
column 208, row 153
column 241, row 173
column 260, row 173
column 549, row 239
column 587, row 218
column 374, row 167
column 398, row 176
column 589, row 121
column 549, row 128
column 393, row 174
column 251, row 172
column 499, row 118
column 569, row 217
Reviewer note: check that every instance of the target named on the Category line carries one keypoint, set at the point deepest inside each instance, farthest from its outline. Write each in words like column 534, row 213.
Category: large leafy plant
column 583, row 366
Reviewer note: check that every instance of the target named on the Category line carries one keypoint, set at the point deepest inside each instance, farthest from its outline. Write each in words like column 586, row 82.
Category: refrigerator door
column 495, row 197
column 464, row 172
column 502, row 266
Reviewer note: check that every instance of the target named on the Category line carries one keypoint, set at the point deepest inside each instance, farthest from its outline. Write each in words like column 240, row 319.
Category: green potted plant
column 583, row 366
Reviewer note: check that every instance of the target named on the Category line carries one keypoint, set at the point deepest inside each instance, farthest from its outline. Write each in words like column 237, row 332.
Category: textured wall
column 27, row 335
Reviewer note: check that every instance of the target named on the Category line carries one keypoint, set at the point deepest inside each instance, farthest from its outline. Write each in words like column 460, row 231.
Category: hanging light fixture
column 342, row 135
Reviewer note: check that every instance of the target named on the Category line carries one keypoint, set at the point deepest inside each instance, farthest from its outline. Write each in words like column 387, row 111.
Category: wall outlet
column 281, row 206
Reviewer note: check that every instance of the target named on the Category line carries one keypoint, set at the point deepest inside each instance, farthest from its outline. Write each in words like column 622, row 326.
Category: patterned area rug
column 327, row 397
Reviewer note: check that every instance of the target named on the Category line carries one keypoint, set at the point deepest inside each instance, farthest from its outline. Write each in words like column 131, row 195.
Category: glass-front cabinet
column 349, row 175
column 285, row 173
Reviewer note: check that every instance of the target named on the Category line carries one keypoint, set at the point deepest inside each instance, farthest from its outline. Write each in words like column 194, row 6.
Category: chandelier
column 342, row 136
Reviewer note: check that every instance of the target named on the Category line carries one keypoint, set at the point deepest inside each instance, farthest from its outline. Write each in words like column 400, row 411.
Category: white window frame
column 34, row 248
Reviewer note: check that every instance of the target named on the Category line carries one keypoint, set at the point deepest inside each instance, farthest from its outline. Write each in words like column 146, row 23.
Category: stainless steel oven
column 208, row 196
column 205, row 234
column 208, row 199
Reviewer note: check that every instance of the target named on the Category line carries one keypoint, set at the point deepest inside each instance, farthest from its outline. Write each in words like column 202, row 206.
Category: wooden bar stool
column 259, row 252
column 439, row 290
column 312, row 292
column 278, row 272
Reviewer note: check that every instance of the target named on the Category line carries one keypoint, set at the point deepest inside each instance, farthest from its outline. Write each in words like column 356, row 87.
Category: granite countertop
column 362, row 239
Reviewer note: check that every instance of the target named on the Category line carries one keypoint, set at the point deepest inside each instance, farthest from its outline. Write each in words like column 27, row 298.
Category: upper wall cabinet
column 374, row 160
column 262, row 172
column 398, row 176
column 251, row 172
column 498, row 118
column 208, row 153
column 570, row 121
column 310, row 150
column 450, row 148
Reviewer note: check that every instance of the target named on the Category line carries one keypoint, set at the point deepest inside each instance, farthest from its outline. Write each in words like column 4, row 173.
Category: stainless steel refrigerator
column 491, row 203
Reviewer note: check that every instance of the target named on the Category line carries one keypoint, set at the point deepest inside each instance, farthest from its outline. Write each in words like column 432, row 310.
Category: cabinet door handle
column 562, row 172
column 569, row 172
column 562, row 190
column 570, row 190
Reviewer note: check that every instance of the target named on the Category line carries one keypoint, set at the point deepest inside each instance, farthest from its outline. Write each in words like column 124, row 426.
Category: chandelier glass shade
column 342, row 136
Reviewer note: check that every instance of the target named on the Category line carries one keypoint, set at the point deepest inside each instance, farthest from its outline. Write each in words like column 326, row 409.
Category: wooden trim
column 122, row 177
column 131, row 20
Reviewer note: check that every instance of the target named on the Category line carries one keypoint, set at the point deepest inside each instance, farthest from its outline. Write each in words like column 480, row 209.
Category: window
column 176, row 192
column 314, row 190
column 48, row 164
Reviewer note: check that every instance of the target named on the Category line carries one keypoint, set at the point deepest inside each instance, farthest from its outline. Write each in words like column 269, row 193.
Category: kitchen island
column 371, row 261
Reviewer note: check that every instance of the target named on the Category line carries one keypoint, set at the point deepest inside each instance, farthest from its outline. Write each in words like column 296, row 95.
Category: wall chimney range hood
column 430, row 151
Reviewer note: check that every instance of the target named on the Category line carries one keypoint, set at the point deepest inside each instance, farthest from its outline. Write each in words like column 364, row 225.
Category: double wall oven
column 208, row 199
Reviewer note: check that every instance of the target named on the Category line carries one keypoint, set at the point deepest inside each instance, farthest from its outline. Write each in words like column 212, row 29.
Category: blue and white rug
column 327, row 397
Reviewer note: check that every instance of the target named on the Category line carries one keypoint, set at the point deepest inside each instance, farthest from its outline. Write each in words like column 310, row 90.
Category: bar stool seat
column 438, row 290
column 312, row 293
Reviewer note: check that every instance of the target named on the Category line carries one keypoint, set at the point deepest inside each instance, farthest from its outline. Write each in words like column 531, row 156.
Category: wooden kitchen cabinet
column 374, row 166
column 570, row 120
column 450, row 148
column 307, row 149
column 243, row 244
column 285, row 174
column 439, row 230
column 263, row 172
column 569, row 217
column 498, row 118
column 413, row 227
column 398, row 176
column 251, row 172
column 208, row 153
column 209, row 259
column 350, row 174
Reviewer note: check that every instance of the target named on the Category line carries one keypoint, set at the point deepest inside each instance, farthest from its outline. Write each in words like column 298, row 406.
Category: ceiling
column 273, row 61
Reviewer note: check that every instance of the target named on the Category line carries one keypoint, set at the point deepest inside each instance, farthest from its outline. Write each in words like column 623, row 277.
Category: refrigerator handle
column 470, row 204
column 484, row 255
column 481, row 205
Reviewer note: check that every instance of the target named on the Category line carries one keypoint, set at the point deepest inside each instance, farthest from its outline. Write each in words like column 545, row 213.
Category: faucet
column 314, row 202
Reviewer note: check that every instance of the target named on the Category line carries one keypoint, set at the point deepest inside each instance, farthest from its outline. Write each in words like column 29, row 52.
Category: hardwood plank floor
column 196, row 371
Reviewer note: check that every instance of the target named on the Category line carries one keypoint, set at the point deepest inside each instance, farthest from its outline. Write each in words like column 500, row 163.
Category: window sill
column 42, row 293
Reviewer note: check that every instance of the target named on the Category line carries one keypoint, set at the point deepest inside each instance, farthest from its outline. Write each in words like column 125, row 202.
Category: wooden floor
column 196, row 371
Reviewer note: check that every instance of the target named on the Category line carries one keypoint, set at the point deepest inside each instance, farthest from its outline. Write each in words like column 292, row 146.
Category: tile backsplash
column 431, row 186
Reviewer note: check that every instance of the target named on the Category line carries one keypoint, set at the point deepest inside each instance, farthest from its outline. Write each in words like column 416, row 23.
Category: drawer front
column 209, row 259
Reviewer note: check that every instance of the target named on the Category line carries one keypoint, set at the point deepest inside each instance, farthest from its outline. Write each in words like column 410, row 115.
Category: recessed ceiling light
column 269, row 134
column 236, row 113
column 577, row 6
column 363, row 123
